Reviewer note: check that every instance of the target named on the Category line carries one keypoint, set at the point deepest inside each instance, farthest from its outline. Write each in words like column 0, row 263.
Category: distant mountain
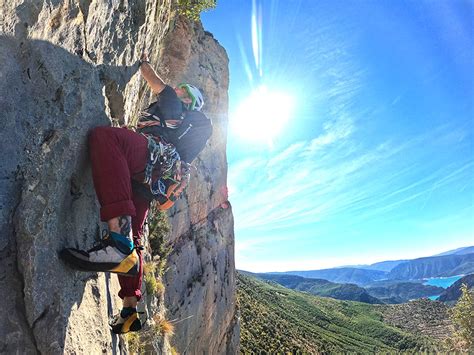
column 434, row 266
column 275, row 319
column 323, row 288
column 458, row 251
column 384, row 265
column 455, row 262
column 463, row 269
column 390, row 264
column 453, row 292
column 342, row 275
column 400, row 292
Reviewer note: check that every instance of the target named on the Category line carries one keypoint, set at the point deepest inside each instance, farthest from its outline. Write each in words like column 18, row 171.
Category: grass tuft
column 163, row 326
column 133, row 340
column 150, row 283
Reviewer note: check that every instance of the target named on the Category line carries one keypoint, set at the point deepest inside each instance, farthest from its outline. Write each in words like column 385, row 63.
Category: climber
column 125, row 168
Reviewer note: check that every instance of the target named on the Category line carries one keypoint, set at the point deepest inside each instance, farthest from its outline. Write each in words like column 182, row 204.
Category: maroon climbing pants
column 118, row 156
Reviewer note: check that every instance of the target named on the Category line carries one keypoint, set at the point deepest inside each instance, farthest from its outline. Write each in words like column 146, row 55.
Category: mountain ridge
column 453, row 292
column 321, row 287
column 341, row 275
column 434, row 266
column 388, row 265
column 457, row 251
column 401, row 292
column 457, row 263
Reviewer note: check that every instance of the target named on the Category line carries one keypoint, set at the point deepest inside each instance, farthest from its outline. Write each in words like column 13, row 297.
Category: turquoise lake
column 443, row 282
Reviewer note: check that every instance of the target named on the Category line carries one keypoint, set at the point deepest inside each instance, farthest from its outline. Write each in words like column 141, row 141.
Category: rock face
column 67, row 67
column 201, row 276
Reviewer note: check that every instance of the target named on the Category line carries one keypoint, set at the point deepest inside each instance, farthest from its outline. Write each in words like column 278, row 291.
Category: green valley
column 320, row 287
column 278, row 319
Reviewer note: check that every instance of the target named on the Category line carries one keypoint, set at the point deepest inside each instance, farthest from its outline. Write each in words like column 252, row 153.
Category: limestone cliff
column 201, row 276
column 68, row 66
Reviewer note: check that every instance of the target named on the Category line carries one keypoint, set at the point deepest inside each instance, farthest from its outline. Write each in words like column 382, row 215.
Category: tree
column 192, row 8
column 462, row 316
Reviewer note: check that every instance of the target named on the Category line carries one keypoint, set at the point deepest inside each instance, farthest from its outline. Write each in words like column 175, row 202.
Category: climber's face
column 183, row 95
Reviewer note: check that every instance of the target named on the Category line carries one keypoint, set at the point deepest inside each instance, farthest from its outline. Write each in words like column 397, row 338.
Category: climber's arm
column 154, row 81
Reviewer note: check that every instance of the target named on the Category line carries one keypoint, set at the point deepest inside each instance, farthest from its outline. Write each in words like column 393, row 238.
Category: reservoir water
column 443, row 282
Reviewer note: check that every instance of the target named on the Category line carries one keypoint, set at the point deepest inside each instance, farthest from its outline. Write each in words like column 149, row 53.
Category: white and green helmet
column 195, row 95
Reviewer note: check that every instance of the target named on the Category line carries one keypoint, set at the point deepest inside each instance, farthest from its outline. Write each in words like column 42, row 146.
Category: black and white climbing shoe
column 131, row 323
column 105, row 257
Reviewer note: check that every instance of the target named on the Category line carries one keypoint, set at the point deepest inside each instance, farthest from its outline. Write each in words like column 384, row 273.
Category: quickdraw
column 165, row 155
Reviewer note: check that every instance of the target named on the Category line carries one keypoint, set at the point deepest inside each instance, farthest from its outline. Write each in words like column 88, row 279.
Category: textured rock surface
column 66, row 67
column 200, row 281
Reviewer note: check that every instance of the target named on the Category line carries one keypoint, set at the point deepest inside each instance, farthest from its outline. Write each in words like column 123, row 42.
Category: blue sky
column 375, row 160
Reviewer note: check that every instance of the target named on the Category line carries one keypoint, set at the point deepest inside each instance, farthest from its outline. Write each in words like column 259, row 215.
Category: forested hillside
column 275, row 319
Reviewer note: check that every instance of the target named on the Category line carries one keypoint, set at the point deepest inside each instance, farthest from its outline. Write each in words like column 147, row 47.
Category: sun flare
column 262, row 115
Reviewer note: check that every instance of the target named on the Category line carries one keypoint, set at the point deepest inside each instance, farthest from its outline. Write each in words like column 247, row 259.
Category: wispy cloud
column 292, row 264
column 312, row 181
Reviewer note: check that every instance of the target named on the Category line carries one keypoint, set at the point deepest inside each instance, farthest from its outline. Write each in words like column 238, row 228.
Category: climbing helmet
column 195, row 95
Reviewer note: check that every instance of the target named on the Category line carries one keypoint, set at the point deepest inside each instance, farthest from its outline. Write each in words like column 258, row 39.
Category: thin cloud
column 309, row 189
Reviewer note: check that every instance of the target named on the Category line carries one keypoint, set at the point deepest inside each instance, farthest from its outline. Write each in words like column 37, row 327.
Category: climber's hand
column 144, row 56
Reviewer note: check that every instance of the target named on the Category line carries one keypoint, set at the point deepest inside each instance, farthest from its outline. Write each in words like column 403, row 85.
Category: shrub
column 158, row 229
column 154, row 286
column 160, row 288
column 133, row 340
column 150, row 282
column 192, row 8
column 462, row 316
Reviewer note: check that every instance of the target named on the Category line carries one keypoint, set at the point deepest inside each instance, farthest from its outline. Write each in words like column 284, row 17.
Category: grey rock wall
column 48, row 202
column 68, row 66
column 200, row 281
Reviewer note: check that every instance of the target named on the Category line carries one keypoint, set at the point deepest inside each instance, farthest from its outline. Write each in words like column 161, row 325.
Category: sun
column 262, row 115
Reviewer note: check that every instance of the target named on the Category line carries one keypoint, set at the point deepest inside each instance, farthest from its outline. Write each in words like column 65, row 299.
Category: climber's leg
column 116, row 154
column 130, row 290
column 130, row 302
column 131, row 286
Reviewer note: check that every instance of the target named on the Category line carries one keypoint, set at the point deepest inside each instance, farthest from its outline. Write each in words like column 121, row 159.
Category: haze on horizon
column 370, row 156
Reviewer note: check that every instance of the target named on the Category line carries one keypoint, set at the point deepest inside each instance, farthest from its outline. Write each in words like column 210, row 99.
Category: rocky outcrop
column 68, row 66
column 200, row 281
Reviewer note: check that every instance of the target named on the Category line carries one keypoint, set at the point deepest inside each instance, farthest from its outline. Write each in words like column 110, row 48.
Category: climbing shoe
column 126, row 321
column 109, row 255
